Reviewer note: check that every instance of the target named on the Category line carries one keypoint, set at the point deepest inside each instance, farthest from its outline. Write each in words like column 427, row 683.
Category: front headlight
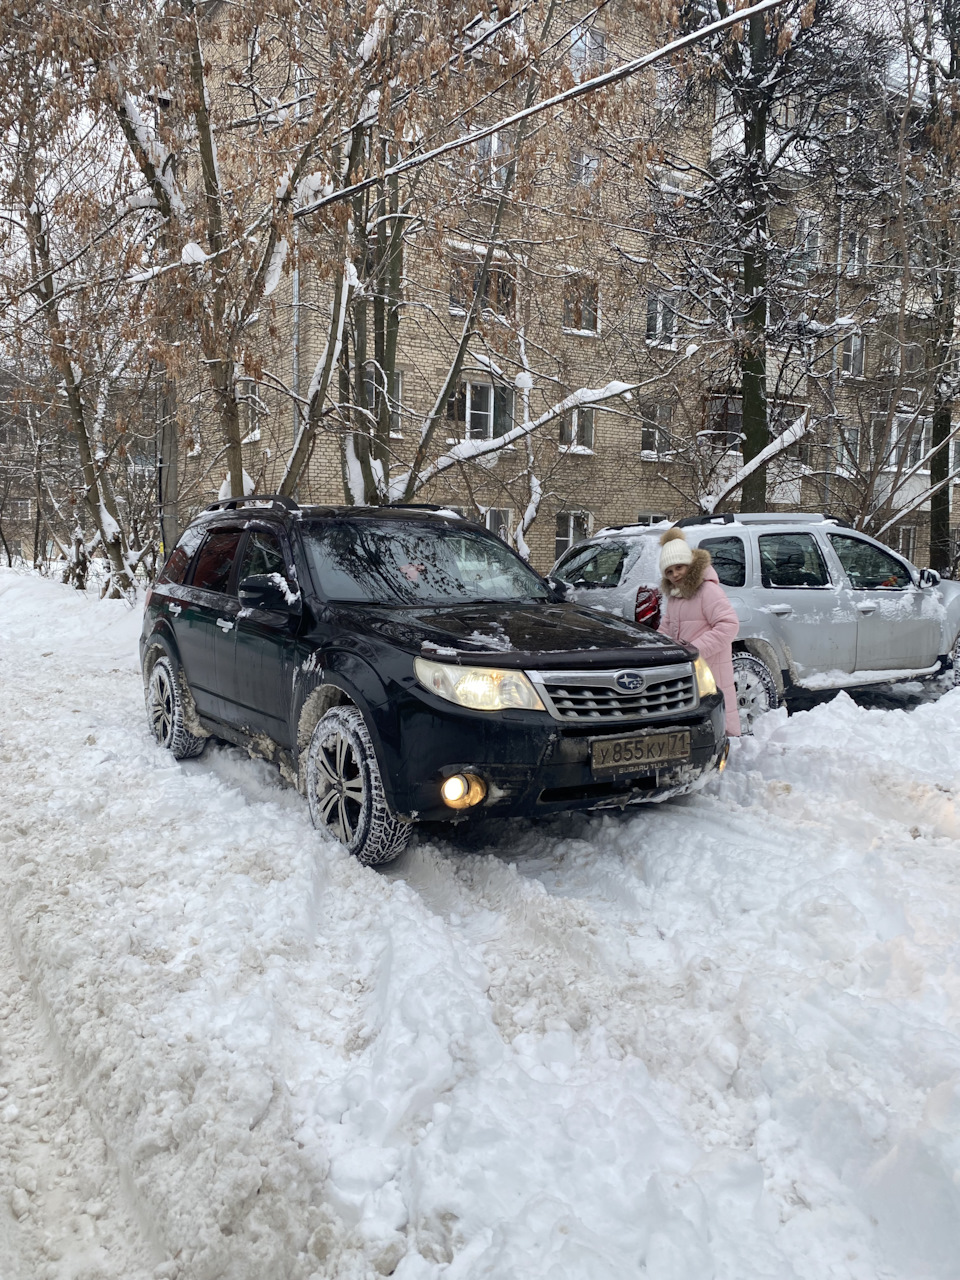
column 479, row 688
column 705, row 681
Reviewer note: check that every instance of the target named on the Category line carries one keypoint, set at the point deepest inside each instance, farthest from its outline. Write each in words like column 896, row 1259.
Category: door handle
column 224, row 625
column 175, row 609
column 867, row 608
column 781, row 610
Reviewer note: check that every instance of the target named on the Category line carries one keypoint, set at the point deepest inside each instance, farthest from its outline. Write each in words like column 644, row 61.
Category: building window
column 655, row 424
column 911, row 358
column 572, row 527
column 651, row 517
column 498, row 290
column 848, row 447
column 909, row 440
column 584, row 168
column 18, row 509
column 588, row 51
column 581, row 305
column 806, row 253
column 576, row 428
column 724, row 423
column 905, row 540
column 857, row 252
column 499, row 521
column 482, row 410
column 853, row 350
column 661, row 320
column 492, row 158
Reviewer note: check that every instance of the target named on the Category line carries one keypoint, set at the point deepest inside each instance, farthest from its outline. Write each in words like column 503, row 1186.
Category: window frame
column 658, row 332
column 210, row 534
column 501, row 397
column 651, row 421
column 827, row 585
column 571, row 517
column 578, row 305
column 856, row 258
column 588, row 50
column 501, row 285
column 853, row 355
column 578, row 429
column 499, row 522
column 842, row 536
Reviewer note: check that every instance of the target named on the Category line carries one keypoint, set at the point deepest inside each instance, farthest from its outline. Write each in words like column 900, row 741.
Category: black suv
column 401, row 663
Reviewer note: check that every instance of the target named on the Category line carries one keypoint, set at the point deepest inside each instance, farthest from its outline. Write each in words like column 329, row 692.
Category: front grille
column 595, row 696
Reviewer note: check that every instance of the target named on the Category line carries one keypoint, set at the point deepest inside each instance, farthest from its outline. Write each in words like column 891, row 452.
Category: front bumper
column 531, row 765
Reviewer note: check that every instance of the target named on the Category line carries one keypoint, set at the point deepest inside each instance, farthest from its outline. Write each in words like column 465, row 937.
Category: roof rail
column 761, row 517
column 778, row 517
column 727, row 517
column 255, row 499
column 418, row 506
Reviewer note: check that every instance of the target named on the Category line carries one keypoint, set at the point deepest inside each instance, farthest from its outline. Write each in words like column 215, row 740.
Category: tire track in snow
column 64, row 1213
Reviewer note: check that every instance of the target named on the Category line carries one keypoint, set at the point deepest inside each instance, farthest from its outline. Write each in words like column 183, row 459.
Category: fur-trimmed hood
column 701, row 570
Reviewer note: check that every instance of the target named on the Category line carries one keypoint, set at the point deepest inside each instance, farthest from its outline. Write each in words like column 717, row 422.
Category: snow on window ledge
column 576, row 448
column 581, row 333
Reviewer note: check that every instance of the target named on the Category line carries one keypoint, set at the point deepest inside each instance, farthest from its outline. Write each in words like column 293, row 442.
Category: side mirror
column 269, row 592
column 929, row 577
column 559, row 589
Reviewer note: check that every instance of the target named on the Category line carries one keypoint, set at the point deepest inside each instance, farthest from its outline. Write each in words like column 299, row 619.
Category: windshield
column 393, row 562
column 593, row 566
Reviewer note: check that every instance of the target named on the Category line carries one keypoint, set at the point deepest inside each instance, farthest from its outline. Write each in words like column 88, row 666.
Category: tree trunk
column 168, row 467
column 753, row 360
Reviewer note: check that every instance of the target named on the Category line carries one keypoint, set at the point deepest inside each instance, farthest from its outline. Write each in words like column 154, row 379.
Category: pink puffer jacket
column 698, row 612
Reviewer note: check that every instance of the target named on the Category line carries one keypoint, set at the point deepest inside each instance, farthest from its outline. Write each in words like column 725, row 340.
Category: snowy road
column 717, row 1038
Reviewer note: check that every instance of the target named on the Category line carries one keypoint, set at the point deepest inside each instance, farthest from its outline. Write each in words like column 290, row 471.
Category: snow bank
column 714, row 1038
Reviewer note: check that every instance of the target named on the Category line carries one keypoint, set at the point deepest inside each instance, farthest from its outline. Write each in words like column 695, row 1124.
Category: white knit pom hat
column 674, row 549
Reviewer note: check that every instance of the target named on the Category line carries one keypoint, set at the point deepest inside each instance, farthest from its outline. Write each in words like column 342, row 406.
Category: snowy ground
column 717, row 1038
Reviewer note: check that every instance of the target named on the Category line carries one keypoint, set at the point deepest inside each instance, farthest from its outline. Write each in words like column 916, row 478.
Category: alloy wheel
column 341, row 787
column 756, row 690
column 162, row 705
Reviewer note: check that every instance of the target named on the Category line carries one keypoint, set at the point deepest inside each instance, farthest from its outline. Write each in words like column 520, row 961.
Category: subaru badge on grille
column 629, row 681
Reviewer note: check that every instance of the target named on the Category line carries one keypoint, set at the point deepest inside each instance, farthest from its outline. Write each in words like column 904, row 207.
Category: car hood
column 520, row 635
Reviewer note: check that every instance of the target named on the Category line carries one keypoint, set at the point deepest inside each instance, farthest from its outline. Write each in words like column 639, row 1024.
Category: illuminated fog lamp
column 463, row 790
column 724, row 757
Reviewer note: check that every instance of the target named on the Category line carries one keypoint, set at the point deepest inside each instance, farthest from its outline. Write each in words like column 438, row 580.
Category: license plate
column 640, row 754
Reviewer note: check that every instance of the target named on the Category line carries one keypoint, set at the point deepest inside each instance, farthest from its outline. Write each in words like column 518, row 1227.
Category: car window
column 176, row 567
column 215, row 560
column 867, row 566
column 791, row 560
column 599, row 565
column 366, row 562
column 729, row 559
column 262, row 554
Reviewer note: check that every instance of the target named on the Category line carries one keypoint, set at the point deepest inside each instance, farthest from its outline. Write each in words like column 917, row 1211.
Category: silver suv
column 821, row 605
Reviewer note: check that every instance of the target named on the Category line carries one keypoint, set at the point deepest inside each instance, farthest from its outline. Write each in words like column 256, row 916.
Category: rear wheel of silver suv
column 756, row 689
column 345, row 790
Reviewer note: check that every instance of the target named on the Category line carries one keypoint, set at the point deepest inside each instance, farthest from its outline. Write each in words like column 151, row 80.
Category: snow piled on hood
column 714, row 1038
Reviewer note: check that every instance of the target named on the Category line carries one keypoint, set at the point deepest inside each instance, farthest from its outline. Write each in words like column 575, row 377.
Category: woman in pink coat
column 697, row 611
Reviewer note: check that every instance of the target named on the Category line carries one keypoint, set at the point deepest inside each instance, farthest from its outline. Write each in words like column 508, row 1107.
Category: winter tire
column 756, row 689
column 956, row 661
column 165, row 708
column 345, row 790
